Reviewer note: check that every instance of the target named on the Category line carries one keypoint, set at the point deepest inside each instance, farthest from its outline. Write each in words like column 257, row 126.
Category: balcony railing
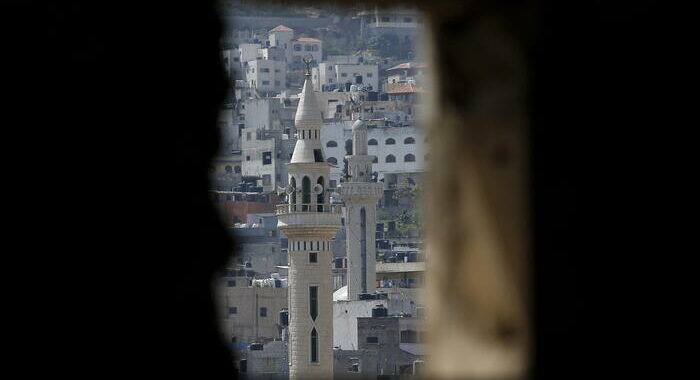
column 306, row 208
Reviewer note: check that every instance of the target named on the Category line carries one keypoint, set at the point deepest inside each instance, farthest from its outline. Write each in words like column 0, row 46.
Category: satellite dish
column 290, row 189
column 318, row 189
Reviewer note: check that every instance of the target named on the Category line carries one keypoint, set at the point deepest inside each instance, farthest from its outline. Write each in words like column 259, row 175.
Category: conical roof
column 308, row 113
column 359, row 125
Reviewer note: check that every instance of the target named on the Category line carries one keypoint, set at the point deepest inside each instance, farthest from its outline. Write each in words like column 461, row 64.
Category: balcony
column 284, row 209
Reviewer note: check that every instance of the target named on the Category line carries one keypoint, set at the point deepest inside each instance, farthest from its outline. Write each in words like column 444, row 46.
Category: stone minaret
column 309, row 221
column 360, row 195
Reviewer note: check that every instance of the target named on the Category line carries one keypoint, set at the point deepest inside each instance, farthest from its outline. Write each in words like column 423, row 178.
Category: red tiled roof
column 281, row 28
column 307, row 39
column 400, row 88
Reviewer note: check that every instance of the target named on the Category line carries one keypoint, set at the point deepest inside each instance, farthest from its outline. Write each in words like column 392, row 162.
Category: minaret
column 309, row 221
column 360, row 195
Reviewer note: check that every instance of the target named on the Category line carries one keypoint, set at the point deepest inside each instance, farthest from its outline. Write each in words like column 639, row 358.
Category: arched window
column 390, row 141
column 332, row 160
column 372, row 142
column 409, row 158
column 293, row 197
column 348, row 147
column 314, row 346
column 409, row 140
column 390, row 158
column 229, row 169
column 305, row 193
column 320, row 197
column 331, row 144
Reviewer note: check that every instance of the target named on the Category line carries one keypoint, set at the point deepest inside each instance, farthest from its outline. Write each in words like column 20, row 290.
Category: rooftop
column 401, row 267
column 307, row 39
column 400, row 88
column 406, row 66
column 281, row 28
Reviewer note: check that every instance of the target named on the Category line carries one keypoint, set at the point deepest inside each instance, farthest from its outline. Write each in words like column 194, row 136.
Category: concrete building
column 354, row 364
column 346, row 312
column 268, row 361
column 403, row 23
column 281, row 37
column 249, row 314
column 266, row 76
column 309, row 221
column 328, row 76
column 360, row 193
column 398, row 341
column 399, row 151
column 266, row 153
column 258, row 242
column 303, row 47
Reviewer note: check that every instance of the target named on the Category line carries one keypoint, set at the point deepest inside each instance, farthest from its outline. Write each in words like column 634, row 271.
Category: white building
column 310, row 222
column 304, row 46
column 266, row 75
column 333, row 75
column 281, row 37
column 398, row 150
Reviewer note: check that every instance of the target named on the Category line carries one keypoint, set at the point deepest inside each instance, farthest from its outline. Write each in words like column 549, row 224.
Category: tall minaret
column 309, row 221
column 360, row 195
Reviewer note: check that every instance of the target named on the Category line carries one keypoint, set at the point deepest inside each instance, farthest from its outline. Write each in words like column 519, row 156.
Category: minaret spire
column 360, row 194
column 310, row 221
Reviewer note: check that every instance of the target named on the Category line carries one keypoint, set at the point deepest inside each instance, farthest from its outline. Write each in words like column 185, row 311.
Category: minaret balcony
column 284, row 209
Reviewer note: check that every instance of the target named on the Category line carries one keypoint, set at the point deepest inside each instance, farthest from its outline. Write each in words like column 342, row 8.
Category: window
column 314, row 47
column 408, row 19
column 385, row 19
column 333, row 184
column 231, row 283
column 372, row 339
column 297, row 47
column 229, row 169
column 313, row 257
column 264, row 70
column 233, row 310
column 237, row 169
column 343, row 75
column 390, row 158
column 266, row 180
column 369, row 75
column 247, row 136
column 331, row 144
column 267, row 158
column 409, row 140
column 314, row 346
column 265, row 82
column 374, row 161
column 332, row 160
column 372, row 142
column 390, row 141
column 318, row 155
column 247, row 158
column 307, row 47
column 277, row 83
column 313, row 302
column 409, row 336
column 263, row 311
column 409, row 158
